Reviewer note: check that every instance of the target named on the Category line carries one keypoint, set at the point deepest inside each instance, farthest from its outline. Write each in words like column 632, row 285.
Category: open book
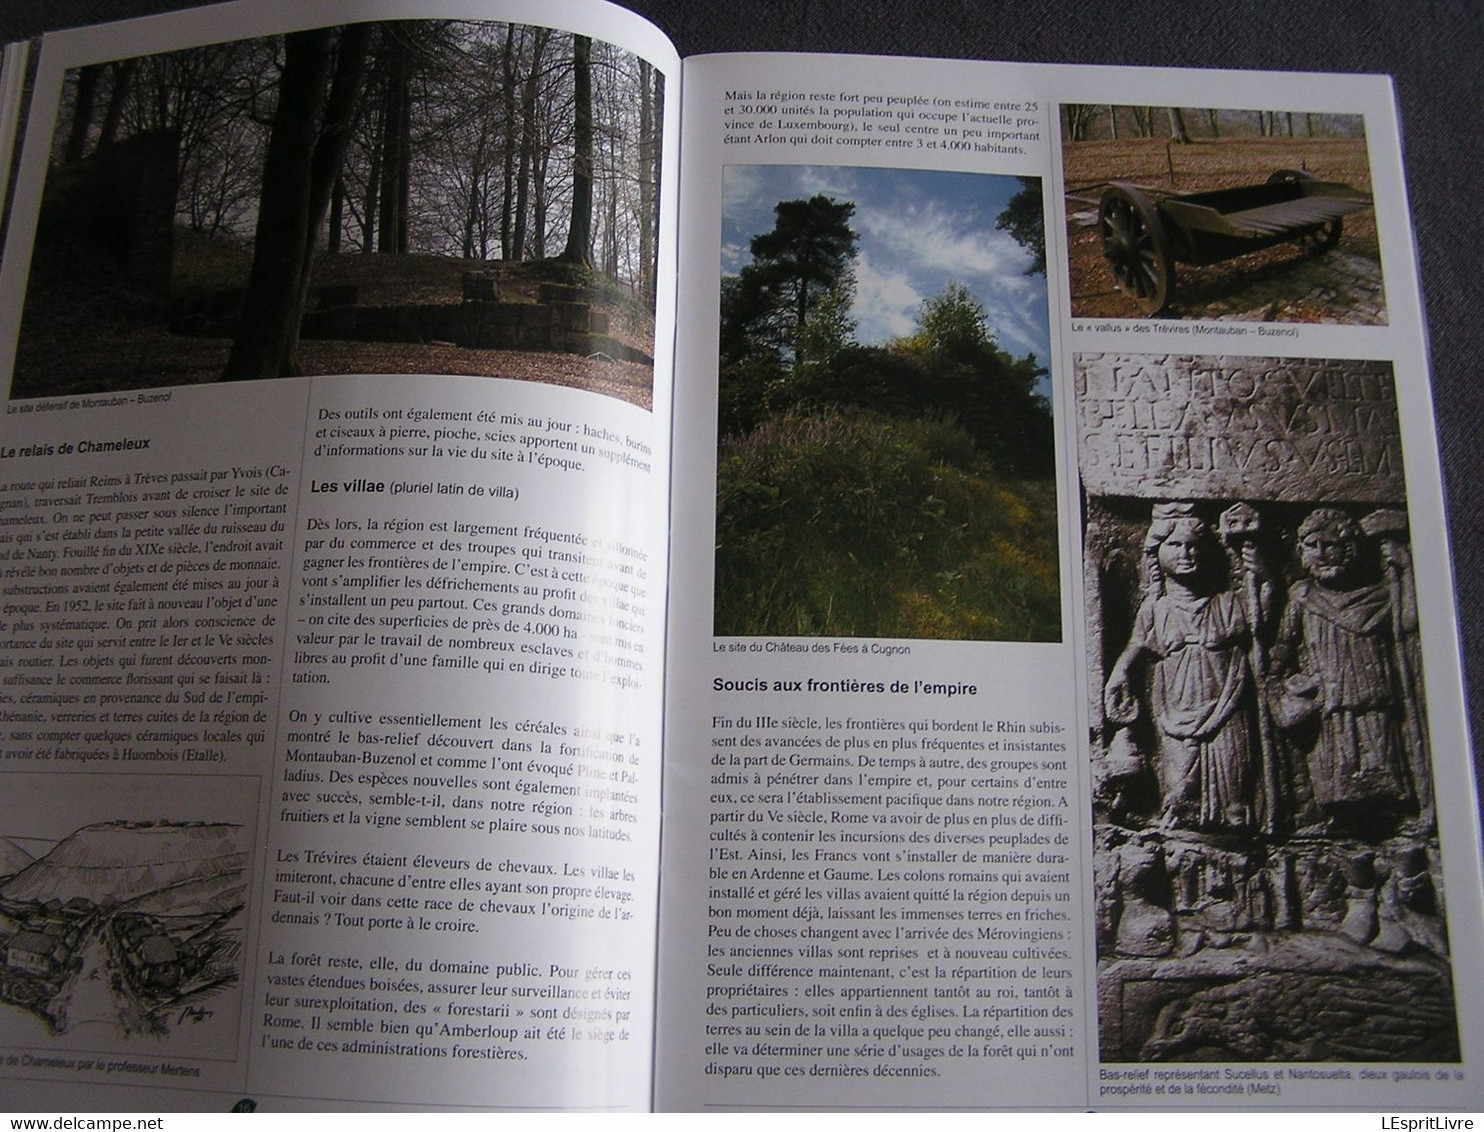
column 535, row 575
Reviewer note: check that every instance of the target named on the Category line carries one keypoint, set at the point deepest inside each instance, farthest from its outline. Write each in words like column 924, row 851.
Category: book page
column 1065, row 710
column 335, row 465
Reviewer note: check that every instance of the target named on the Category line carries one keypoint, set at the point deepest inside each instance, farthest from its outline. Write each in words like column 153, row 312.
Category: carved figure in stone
column 1411, row 904
column 1389, row 527
column 1340, row 648
column 1195, row 637
column 1145, row 926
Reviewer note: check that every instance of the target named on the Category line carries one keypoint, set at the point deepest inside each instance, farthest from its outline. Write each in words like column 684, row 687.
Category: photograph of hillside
column 136, row 926
column 886, row 463
column 399, row 196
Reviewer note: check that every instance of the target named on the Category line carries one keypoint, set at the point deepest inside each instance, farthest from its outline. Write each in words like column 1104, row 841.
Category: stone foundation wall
column 121, row 202
column 565, row 326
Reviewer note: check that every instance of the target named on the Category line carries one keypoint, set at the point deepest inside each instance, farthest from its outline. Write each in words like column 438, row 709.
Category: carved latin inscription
column 1163, row 426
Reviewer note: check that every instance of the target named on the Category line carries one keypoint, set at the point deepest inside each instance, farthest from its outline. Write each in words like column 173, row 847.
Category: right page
column 1064, row 697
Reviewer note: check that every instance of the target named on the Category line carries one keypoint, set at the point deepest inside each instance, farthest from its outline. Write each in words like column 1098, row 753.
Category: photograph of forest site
column 886, row 465
column 403, row 196
column 1236, row 215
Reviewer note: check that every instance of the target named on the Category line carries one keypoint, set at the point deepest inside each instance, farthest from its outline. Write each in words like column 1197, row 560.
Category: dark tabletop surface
column 1433, row 48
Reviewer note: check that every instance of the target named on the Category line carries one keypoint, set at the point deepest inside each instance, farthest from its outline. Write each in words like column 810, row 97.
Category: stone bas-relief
column 1266, row 853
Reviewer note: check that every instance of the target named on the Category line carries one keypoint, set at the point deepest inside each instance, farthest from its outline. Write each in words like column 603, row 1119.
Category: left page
column 333, row 480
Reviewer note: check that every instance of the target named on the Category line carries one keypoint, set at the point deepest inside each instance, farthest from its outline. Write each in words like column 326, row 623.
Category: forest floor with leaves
column 85, row 330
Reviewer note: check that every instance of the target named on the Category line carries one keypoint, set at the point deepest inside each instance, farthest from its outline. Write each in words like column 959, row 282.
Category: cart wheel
column 1321, row 237
column 1137, row 247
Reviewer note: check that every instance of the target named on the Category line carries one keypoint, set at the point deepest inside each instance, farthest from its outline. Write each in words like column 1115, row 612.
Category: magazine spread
column 1000, row 518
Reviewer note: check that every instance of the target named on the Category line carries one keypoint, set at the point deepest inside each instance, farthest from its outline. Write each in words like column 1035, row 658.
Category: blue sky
column 919, row 230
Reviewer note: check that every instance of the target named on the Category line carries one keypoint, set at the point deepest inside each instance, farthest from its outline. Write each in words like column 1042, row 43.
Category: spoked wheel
column 1321, row 237
column 1137, row 247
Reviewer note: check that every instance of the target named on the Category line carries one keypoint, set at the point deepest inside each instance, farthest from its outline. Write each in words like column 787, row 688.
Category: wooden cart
column 1145, row 231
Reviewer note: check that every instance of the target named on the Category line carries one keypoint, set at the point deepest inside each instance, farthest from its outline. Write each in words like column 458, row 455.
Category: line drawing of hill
column 135, row 925
column 208, row 895
column 113, row 862
column 13, row 857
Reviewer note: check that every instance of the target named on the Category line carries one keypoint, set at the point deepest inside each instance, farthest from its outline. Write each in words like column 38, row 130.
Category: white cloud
column 1016, row 329
column 734, row 257
column 739, row 187
column 925, row 244
column 886, row 302
column 833, row 181
column 938, row 239
column 918, row 231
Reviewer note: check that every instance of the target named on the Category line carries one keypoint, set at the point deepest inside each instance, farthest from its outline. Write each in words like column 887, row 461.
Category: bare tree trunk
column 483, row 232
column 271, row 306
column 326, row 162
column 373, row 185
column 82, row 113
column 404, row 180
column 610, row 238
column 651, row 264
column 580, row 229
column 507, row 196
column 123, row 81
column 611, row 129
column 476, row 203
column 647, row 185
column 396, row 155
column 1177, row 127
column 467, row 243
column 1079, row 118
column 540, row 164
column 527, row 142
column 337, row 217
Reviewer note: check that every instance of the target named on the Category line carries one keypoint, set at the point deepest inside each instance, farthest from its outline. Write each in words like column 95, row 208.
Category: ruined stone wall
column 560, row 321
column 119, row 203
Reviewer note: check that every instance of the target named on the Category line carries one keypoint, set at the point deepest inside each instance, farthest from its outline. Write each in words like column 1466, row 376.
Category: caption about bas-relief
column 878, row 122
column 886, row 893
